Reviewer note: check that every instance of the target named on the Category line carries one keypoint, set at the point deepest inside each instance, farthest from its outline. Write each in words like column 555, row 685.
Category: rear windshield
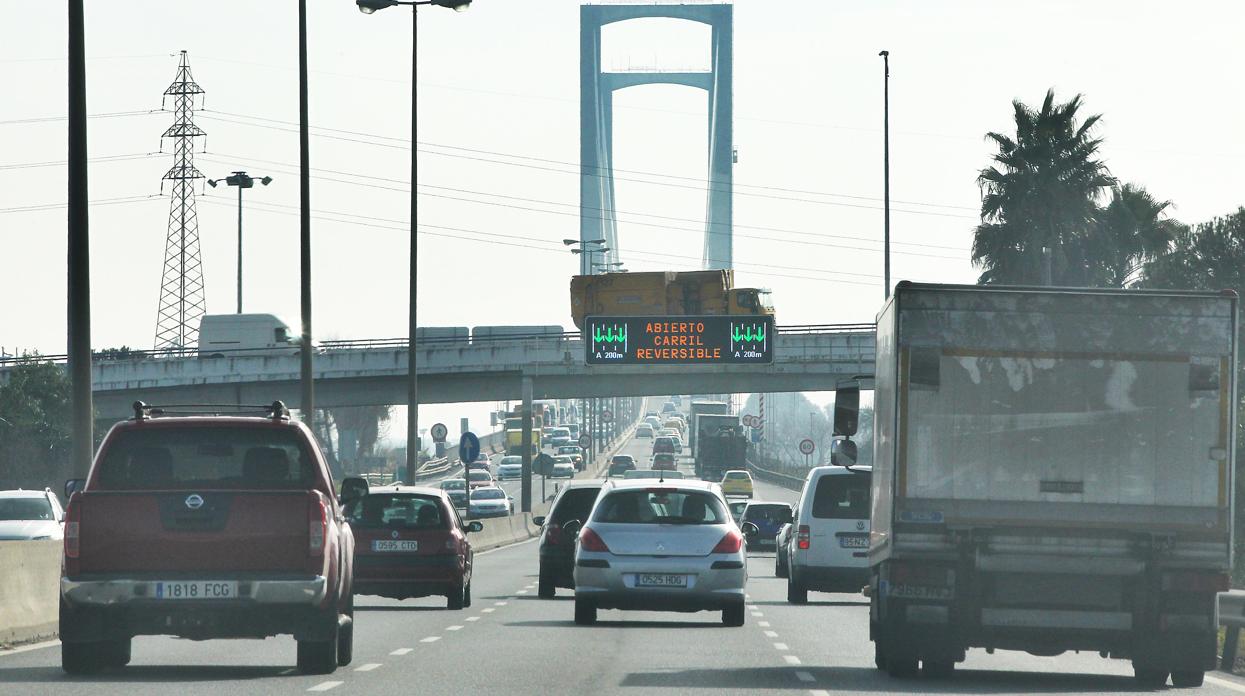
column 400, row 510
column 480, row 476
column 488, row 494
column 26, row 509
column 623, row 459
column 842, row 497
column 660, row 506
column 208, row 457
column 574, row 504
column 508, row 461
column 737, row 475
column 773, row 513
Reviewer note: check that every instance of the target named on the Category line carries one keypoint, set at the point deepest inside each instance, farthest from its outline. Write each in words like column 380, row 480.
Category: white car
column 644, row 431
column 510, row 467
column 30, row 515
column 664, row 547
column 563, row 467
column 827, row 549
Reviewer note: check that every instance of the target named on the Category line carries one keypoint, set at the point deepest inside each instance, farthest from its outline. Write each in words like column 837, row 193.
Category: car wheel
column 1149, row 678
column 780, row 563
column 345, row 636
column 585, row 611
column 795, row 593
column 938, row 669
column 901, row 667
column 456, row 597
column 545, row 588
column 733, row 615
column 319, row 656
column 467, row 595
column 1187, row 678
column 81, row 658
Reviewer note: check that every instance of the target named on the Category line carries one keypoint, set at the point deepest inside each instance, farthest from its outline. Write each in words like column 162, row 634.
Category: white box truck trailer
column 1052, row 472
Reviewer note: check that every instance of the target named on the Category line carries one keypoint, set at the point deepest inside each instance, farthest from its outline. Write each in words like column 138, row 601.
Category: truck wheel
column 879, row 657
column 795, row 593
column 545, row 588
column 780, row 566
column 319, row 656
column 1187, row 678
column 585, row 612
column 456, row 598
column 733, row 615
column 1149, row 678
column 81, row 658
column 938, row 669
column 345, row 636
column 901, row 667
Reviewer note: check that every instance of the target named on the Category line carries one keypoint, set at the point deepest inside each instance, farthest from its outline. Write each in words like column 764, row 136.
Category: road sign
column 468, row 447
column 807, row 447
column 542, row 464
column 439, row 431
column 751, row 421
column 585, row 441
column 607, row 416
column 682, row 340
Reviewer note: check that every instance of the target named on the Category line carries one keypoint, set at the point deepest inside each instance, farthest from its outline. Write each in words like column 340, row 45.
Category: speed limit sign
column 807, row 447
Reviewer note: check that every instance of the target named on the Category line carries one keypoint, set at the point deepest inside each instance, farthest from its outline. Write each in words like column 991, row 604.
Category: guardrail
column 1232, row 618
column 794, row 483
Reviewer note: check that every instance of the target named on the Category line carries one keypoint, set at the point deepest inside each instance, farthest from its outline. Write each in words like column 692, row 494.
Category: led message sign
column 680, row 340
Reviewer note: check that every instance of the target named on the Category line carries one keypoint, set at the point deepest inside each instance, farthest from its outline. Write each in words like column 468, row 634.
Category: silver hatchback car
column 669, row 546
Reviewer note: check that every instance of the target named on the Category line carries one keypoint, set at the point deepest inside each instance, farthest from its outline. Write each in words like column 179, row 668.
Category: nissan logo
column 194, row 501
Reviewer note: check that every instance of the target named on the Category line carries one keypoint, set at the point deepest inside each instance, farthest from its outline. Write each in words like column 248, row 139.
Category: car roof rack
column 276, row 410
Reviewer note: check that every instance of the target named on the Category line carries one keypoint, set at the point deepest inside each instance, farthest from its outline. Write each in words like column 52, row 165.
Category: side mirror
column 475, row 526
column 353, row 488
column 750, row 530
column 572, row 526
column 73, row 486
column 788, row 517
column 846, row 410
column 843, row 453
column 539, row 519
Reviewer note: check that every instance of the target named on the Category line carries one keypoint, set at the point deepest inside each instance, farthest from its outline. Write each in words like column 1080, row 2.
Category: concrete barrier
column 29, row 590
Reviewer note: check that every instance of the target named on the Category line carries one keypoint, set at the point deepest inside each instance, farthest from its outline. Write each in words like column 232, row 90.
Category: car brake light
column 553, row 534
column 802, row 538
column 591, row 541
column 730, row 543
column 73, row 516
column 317, row 527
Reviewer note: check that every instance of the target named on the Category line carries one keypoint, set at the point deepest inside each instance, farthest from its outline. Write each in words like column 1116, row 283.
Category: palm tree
column 1041, row 193
column 1131, row 233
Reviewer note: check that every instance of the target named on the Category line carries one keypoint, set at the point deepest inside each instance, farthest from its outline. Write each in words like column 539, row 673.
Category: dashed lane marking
column 325, row 686
column 454, row 628
column 763, row 624
column 490, row 610
column 805, row 676
column 473, row 618
column 771, row 634
column 781, row 646
column 753, row 607
column 401, row 651
column 757, row 613
column 431, row 639
column 818, row 692
column 499, row 604
column 792, row 660
column 368, row 667
column 521, row 592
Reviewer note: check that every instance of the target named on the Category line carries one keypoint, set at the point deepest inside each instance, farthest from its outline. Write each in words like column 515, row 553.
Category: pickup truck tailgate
column 194, row 531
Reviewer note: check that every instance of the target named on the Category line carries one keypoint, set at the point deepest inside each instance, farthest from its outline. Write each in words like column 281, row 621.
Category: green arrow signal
column 750, row 334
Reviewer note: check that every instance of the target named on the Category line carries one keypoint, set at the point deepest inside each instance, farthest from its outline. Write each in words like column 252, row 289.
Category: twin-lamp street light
column 243, row 181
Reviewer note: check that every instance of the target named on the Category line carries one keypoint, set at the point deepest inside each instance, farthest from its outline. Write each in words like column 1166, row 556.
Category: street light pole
column 79, row 241
column 886, row 173
column 243, row 181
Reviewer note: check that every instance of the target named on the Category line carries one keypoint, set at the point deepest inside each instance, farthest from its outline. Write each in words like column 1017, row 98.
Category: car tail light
column 591, row 541
column 317, row 526
column 73, row 530
column 730, row 543
column 553, row 534
column 802, row 538
column 1190, row 581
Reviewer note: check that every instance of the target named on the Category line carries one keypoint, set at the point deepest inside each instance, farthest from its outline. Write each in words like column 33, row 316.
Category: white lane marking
column 757, row 613
column 325, row 686
column 431, row 639
column 499, row 604
column 763, row 624
column 1232, row 685
column 530, row 586
column 28, row 648
column 771, row 634
column 805, row 676
column 490, row 610
column 401, row 651
column 792, row 659
column 473, row 618
column 781, row 646
column 521, row 592
column 288, row 671
column 506, row 547
column 454, row 628
column 753, row 607
column 368, row 667
column 818, row 692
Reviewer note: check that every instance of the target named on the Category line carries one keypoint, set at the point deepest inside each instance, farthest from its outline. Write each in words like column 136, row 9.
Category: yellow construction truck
column 664, row 293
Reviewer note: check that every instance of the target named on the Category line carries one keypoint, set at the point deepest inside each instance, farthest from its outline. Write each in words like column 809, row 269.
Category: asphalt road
column 509, row 642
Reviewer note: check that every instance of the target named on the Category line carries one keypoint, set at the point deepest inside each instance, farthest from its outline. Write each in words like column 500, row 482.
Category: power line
column 52, row 119
column 101, row 201
column 62, row 163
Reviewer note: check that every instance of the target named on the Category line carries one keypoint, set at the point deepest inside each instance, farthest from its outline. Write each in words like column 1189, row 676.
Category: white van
column 828, row 549
column 245, row 335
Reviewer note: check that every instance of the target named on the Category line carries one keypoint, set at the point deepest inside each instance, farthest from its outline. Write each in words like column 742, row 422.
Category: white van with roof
column 245, row 335
column 828, row 549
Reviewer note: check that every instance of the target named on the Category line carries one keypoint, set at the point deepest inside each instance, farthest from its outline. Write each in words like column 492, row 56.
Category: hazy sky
column 498, row 115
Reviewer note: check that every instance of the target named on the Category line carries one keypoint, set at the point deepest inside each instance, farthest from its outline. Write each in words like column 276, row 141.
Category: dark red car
column 410, row 542
column 206, row 526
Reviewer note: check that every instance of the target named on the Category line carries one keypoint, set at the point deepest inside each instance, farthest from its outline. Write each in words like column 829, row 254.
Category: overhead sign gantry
column 680, row 340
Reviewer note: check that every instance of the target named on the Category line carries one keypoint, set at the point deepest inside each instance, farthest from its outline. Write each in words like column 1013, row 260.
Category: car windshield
column 842, row 497
column 207, row 457
column 488, row 494
column 660, row 506
column 26, row 509
column 403, row 510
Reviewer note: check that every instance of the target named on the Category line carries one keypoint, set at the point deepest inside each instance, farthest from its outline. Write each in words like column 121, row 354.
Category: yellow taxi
column 737, row 483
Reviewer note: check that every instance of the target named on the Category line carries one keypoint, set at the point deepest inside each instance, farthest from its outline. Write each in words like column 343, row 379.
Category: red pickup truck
column 206, row 526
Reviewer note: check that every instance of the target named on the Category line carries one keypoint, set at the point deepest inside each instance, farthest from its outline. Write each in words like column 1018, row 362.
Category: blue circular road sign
column 468, row 447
